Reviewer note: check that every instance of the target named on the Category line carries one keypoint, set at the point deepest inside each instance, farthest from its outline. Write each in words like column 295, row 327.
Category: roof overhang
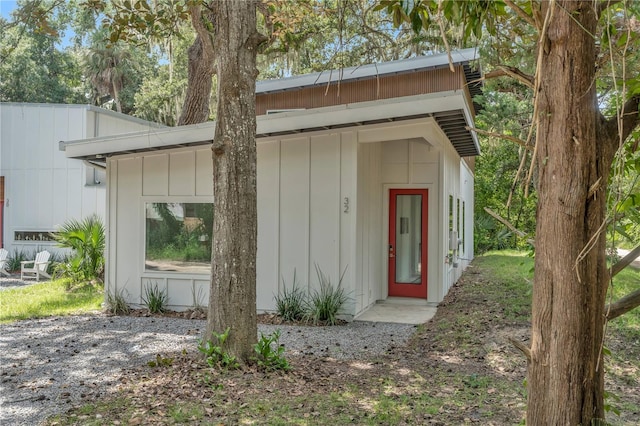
column 449, row 109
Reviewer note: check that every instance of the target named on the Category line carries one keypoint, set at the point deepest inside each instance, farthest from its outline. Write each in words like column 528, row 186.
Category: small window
column 178, row 237
column 458, row 217
column 451, row 222
column 33, row 236
column 464, row 226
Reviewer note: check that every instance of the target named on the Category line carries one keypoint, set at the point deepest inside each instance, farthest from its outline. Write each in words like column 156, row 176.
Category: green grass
column 47, row 299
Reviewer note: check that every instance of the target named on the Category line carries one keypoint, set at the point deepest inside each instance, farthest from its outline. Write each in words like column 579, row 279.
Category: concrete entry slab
column 399, row 310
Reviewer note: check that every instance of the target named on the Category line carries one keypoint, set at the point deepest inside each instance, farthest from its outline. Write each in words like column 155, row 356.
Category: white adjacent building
column 40, row 188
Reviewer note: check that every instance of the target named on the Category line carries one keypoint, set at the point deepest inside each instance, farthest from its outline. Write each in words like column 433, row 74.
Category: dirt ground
column 459, row 368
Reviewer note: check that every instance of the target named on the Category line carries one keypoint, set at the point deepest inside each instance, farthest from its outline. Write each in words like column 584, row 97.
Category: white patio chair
column 39, row 268
column 4, row 262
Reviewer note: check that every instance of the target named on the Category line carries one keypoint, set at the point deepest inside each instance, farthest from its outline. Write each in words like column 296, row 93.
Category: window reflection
column 178, row 237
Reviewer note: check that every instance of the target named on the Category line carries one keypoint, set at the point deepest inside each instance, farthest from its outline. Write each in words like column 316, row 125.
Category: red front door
column 408, row 210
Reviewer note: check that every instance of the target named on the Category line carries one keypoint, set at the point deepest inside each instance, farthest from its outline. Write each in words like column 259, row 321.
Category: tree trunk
column 201, row 69
column 232, row 301
column 565, row 376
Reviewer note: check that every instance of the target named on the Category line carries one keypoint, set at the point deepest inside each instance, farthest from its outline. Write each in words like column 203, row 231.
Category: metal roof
column 362, row 72
column 449, row 109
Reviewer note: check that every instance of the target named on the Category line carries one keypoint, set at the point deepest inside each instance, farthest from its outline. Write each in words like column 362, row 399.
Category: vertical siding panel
column 44, row 199
column 129, row 239
column 182, row 178
column 46, row 144
column 324, row 204
column 74, row 192
column 204, row 172
column 155, row 174
column 294, row 209
column 362, row 290
column 60, row 133
column 348, row 220
column 268, row 274
column 111, row 222
column 59, row 206
column 375, row 248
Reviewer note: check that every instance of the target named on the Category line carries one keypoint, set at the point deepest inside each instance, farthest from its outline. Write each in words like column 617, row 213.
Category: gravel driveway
column 49, row 364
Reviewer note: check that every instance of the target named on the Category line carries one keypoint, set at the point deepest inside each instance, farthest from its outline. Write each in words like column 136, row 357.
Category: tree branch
column 625, row 261
column 521, row 347
column 521, row 13
column 513, row 72
column 197, row 18
column 622, row 306
column 509, row 225
column 630, row 301
column 501, row 136
column 629, row 118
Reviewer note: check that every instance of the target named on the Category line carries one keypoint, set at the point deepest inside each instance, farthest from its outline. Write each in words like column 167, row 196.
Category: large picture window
column 178, row 237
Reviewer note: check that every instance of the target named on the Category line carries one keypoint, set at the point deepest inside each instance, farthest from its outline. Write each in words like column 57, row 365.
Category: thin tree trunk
column 232, row 301
column 565, row 376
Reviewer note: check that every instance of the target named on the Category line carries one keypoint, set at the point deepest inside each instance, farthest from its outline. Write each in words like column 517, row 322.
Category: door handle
column 391, row 253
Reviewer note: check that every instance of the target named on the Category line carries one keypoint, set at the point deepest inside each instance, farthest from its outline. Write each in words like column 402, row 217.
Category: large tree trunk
column 232, row 301
column 566, row 376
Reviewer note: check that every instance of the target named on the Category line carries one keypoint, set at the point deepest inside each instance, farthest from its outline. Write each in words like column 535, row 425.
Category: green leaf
column 416, row 23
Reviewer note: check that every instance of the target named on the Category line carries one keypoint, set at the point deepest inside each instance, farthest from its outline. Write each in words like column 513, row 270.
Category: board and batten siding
column 323, row 199
column 404, row 163
column 43, row 188
column 182, row 175
column 458, row 182
column 302, row 222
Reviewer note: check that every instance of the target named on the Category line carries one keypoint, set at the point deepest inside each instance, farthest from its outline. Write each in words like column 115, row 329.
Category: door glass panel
column 408, row 239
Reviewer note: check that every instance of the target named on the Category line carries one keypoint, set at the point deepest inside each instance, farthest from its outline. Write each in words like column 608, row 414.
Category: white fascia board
column 91, row 108
column 137, row 141
column 125, row 117
column 318, row 118
column 362, row 112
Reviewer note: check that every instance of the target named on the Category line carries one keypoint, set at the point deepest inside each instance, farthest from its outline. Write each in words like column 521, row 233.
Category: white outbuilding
column 40, row 188
column 366, row 173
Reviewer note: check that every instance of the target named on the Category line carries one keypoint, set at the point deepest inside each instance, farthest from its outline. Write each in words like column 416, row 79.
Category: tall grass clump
column 325, row 303
column 116, row 302
column 291, row 303
column 156, row 300
column 17, row 256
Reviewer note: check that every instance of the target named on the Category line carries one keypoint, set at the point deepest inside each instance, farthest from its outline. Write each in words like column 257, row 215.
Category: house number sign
column 346, row 204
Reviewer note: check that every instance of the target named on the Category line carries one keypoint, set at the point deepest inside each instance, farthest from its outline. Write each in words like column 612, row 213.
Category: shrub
column 214, row 353
column 270, row 353
column 155, row 299
column 291, row 303
column 86, row 239
column 325, row 304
